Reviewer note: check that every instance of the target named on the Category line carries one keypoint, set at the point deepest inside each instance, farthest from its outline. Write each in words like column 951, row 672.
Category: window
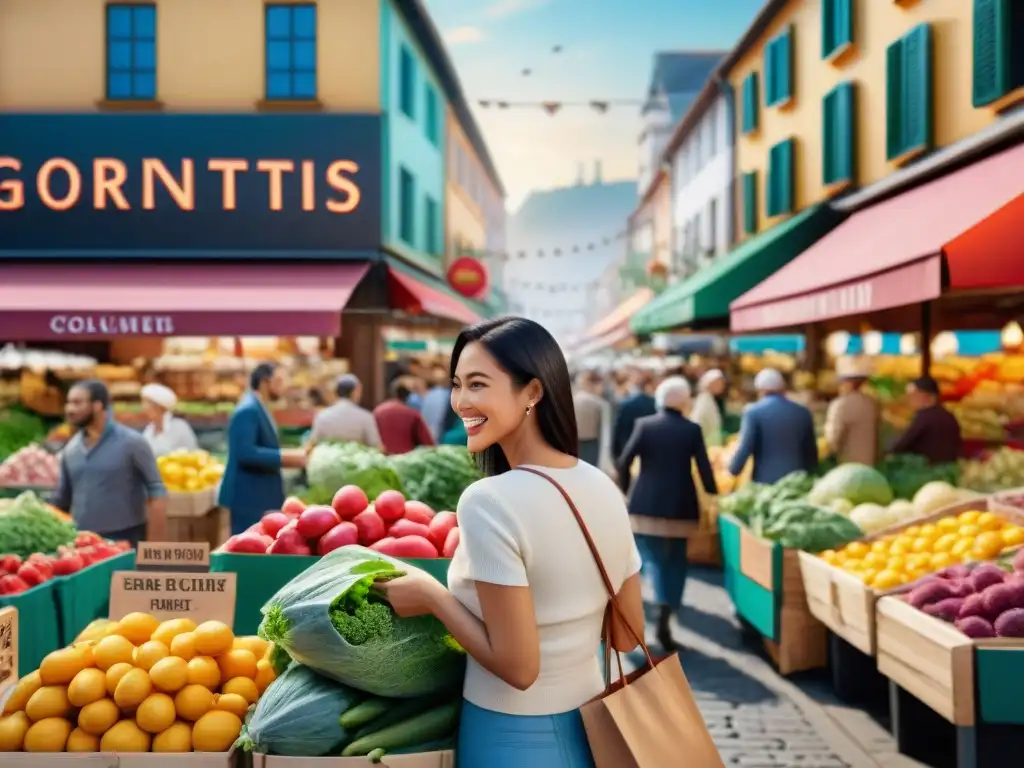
column 291, row 52
column 407, row 207
column 712, row 237
column 780, row 197
column 430, row 206
column 750, row 203
column 908, row 99
column 751, row 101
column 839, row 130
column 713, row 130
column 998, row 50
column 433, row 124
column 131, row 52
column 407, row 83
column 836, row 27
column 778, row 70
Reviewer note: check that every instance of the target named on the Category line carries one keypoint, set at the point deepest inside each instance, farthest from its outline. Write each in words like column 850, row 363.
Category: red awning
column 888, row 255
column 415, row 297
column 990, row 254
column 88, row 301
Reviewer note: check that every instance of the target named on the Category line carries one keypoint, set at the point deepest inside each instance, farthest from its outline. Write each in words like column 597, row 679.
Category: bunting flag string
column 548, row 287
column 543, row 253
column 553, row 107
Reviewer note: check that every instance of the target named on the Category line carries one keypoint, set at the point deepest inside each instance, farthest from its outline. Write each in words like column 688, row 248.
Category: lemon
column 987, row 521
column 60, row 667
column 156, row 714
column 969, row 531
column 12, row 731
column 944, row 543
column 115, row 673
column 98, row 717
column 125, row 736
column 244, row 687
column 171, row 628
column 231, row 702
column 133, row 689
column 193, row 701
column 1012, row 536
column 947, row 524
column 216, row 731
column 966, row 518
column 80, row 741
column 49, row 701
column 203, row 670
column 237, row 663
column 265, row 674
column 911, row 531
column 258, row 646
column 887, row 579
column 111, row 650
column 149, row 653
column 22, row 692
column 213, row 638
column 184, row 646
column 856, row 549
column 962, row 547
column 88, row 686
column 939, row 560
column 881, row 547
column 48, row 735
column 988, row 545
column 137, row 627
column 177, row 738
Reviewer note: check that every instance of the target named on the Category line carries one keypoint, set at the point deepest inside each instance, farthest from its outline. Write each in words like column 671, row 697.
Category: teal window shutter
column 780, row 178
column 750, row 203
column 998, row 50
column 909, row 123
column 836, row 26
column 839, row 134
column 778, row 69
column 751, row 99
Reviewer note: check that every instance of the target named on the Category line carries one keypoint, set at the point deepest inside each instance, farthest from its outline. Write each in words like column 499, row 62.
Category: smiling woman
column 526, row 601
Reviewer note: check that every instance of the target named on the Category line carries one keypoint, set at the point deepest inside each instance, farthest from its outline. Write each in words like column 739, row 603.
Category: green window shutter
column 750, row 203
column 893, row 99
column 780, row 178
column 839, row 132
column 992, row 51
column 836, row 25
column 917, row 125
column 778, row 75
column 769, row 74
column 750, row 103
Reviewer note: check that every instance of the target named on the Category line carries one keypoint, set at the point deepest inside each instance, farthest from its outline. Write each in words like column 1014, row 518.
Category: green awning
column 705, row 297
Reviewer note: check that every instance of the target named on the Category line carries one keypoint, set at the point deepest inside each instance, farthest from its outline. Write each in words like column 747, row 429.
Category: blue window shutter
column 785, row 67
column 770, row 76
column 839, row 126
column 993, row 50
column 917, row 119
column 751, row 102
column 780, row 178
column 836, row 25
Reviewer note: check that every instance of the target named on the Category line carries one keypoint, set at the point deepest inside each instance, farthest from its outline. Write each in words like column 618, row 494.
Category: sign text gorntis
column 61, row 184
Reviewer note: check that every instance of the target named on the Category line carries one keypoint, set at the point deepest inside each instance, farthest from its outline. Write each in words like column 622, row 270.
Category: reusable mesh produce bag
column 384, row 655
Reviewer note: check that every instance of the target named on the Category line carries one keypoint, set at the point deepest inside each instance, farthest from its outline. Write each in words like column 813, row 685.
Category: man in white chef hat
column 165, row 433
column 852, row 421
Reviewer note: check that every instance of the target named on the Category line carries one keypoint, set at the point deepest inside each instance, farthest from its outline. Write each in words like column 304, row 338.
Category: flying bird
column 557, row 49
column 527, row 72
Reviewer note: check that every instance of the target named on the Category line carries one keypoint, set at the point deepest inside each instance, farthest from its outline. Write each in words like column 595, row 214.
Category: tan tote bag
column 649, row 718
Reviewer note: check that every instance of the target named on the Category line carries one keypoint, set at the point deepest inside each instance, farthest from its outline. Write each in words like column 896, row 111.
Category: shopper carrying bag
column 649, row 718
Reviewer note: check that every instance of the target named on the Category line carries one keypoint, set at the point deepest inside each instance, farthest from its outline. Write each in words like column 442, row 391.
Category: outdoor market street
column 758, row 718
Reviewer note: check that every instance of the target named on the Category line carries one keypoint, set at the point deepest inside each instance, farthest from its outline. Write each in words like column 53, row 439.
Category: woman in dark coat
column 663, row 505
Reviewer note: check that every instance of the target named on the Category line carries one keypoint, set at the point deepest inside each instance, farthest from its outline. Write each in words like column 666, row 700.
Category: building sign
column 189, row 185
column 468, row 277
column 112, row 325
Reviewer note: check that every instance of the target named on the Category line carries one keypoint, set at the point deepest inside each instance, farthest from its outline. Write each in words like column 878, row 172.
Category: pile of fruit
column 190, row 471
column 30, row 467
column 145, row 686
column 21, row 575
column 984, row 601
column 907, row 555
column 392, row 525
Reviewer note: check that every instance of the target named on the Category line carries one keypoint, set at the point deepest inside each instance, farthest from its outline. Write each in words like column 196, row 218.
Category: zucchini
column 364, row 712
column 426, row 726
column 376, row 756
column 402, row 709
column 416, row 749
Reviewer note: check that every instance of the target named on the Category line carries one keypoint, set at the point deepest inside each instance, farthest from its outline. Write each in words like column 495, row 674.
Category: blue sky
column 607, row 49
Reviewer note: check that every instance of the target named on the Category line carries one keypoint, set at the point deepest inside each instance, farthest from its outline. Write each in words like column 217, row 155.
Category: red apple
column 349, row 501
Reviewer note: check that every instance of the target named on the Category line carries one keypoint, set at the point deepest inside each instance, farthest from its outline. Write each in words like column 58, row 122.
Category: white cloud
column 464, row 35
column 501, row 8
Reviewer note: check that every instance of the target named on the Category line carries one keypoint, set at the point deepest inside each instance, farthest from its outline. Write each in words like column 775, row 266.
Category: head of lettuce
column 328, row 619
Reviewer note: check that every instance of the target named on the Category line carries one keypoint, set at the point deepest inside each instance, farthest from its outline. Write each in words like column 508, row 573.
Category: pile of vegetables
column 436, row 476
column 1000, row 470
column 30, row 467
column 140, row 685
column 907, row 473
column 28, row 526
column 332, row 465
column 902, row 557
column 19, row 428
column 21, row 575
column 986, row 600
column 782, row 513
column 391, row 525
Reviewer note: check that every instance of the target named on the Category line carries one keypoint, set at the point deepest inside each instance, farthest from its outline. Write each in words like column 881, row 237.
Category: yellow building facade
column 466, row 221
column 210, row 56
column 839, row 55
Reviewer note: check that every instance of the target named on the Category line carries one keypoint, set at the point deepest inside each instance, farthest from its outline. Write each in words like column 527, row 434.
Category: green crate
column 38, row 625
column 999, row 674
column 261, row 576
column 84, row 597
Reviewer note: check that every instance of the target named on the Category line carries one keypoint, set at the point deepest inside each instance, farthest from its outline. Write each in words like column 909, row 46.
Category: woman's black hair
column 526, row 351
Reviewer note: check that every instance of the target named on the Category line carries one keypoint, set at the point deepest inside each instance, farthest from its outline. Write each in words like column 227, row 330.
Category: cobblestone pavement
column 758, row 718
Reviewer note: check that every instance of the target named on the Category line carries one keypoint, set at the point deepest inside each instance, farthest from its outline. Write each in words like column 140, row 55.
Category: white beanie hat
column 709, row 378
column 160, row 395
column 769, row 380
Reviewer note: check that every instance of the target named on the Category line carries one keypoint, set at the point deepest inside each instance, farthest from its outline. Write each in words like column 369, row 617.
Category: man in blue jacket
column 776, row 432
column 637, row 404
column 252, row 482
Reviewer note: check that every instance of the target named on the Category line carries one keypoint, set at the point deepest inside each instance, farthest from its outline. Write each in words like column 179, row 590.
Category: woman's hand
column 415, row 594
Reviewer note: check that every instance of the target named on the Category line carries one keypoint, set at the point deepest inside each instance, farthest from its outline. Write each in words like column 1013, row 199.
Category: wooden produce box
column 844, row 603
column 962, row 679
column 193, row 504
column 214, row 527
column 702, row 548
column 444, row 759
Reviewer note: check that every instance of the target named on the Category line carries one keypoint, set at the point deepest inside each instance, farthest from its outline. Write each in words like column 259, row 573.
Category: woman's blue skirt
column 494, row 740
column 664, row 562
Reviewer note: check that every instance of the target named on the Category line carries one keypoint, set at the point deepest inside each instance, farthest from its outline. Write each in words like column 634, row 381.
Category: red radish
column 256, row 528
column 10, row 563
column 414, row 547
column 289, row 543
column 371, row 527
column 418, row 512
column 85, row 538
column 292, row 524
column 30, row 574
column 12, row 585
column 273, row 522
column 390, row 505
column 382, row 544
column 403, row 527
column 314, row 522
column 349, row 501
column 439, row 527
column 292, row 506
column 65, row 566
column 42, row 563
column 341, row 535
column 451, row 543
column 248, row 543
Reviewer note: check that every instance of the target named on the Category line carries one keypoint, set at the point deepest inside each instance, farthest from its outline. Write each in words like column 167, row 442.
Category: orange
column 919, row 561
column 829, row 556
column 149, row 653
column 231, row 702
column 237, row 663
column 171, row 628
column 112, row 650
column 202, row 670
column 852, row 565
column 137, row 627
column 970, row 530
column 265, row 674
column 244, row 687
column 213, row 638
column 114, row 675
column 989, row 521
column 881, row 547
column 259, row 646
column 170, row 674
column 867, row 577
column 193, row 701
column 184, row 646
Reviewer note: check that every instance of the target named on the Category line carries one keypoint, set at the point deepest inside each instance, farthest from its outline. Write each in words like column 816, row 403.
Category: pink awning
column 417, row 297
column 888, row 255
column 90, row 301
column 621, row 315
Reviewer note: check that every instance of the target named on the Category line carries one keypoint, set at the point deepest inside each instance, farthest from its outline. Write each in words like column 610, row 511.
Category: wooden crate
column 702, row 548
column 845, row 604
column 214, row 527
column 935, row 662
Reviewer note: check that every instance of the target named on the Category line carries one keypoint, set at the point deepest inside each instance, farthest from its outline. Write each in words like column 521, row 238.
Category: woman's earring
column 529, row 409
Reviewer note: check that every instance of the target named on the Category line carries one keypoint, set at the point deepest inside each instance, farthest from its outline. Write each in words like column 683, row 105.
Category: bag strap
column 609, row 588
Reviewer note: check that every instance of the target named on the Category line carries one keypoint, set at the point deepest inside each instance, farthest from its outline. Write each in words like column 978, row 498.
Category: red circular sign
column 468, row 277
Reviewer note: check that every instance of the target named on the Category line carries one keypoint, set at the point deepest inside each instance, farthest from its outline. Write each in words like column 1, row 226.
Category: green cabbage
column 857, row 483
column 332, row 465
column 298, row 716
column 436, row 476
column 327, row 619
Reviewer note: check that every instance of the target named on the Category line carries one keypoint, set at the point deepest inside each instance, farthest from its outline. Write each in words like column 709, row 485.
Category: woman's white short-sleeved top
column 517, row 531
